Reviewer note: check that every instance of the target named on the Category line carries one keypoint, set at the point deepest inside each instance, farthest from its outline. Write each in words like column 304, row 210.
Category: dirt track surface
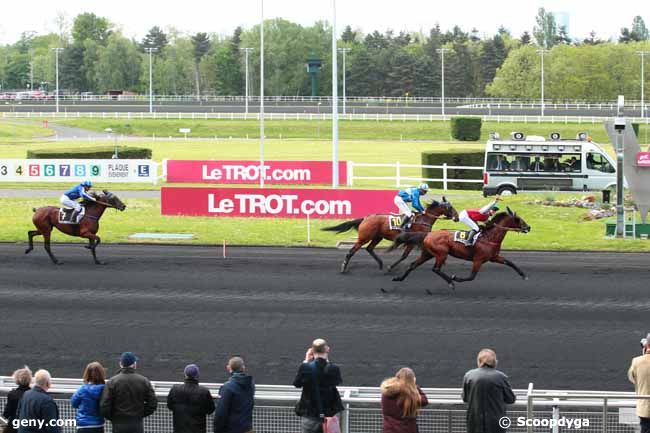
column 574, row 325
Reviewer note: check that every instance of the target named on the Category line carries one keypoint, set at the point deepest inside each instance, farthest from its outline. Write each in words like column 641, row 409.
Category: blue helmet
column 87, row 183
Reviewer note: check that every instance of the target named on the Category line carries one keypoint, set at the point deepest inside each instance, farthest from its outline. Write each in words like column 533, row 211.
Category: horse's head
column 113, row 200
column 442, row 208
column 511, row 220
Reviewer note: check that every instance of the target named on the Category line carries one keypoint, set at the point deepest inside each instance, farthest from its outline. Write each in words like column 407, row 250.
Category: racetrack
column 574, row 325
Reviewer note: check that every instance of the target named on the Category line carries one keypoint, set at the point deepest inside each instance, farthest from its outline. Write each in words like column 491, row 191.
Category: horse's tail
column 344, row 227
column 408, row 239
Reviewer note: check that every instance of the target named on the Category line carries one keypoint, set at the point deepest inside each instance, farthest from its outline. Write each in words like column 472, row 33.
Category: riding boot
column 471, row 235
column 406, row 223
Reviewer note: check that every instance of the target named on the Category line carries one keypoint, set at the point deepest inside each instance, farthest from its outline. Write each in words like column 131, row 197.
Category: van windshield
column 596, row 161
column 546, row 162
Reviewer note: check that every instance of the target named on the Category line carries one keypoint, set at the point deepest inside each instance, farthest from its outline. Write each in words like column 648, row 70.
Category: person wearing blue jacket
column 410, row 195
column 86, row 400
column 70, row 197
column 234, row 413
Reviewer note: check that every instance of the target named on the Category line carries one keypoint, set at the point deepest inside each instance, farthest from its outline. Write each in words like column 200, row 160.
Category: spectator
column 486, row 391
column 128, row 398
column 318, row 379
column 86, row 400
column 190, row 403
column 401, row 399
column 22, row 378
column 38, row 407
column 519, row 164
column 501, row 163
column 639, row 375
column 234, row 412
column 537, row 165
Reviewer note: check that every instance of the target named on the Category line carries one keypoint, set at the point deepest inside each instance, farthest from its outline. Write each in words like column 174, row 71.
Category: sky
column 135, row 18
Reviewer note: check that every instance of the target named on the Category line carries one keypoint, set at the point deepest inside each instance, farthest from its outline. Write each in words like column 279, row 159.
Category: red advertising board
column 270, row 202
column 643, row 159
column 248, row 172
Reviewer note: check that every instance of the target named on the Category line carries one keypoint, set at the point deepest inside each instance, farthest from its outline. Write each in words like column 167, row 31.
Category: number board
column 75, row 170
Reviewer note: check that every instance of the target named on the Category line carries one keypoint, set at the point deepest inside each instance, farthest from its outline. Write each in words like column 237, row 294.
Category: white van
column 535, row 163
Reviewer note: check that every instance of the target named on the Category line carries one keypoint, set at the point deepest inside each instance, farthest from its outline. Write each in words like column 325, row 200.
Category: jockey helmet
column 87, row 183
column 424, row 187
column 495, row 208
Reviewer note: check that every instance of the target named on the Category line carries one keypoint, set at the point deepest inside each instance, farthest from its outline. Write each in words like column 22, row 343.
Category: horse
column 47, row 217
column 440, row 244
column 376, row 227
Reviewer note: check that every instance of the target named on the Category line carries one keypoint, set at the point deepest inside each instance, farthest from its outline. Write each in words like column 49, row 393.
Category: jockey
column 70, row 197
column 471, row 216
column 411, row 195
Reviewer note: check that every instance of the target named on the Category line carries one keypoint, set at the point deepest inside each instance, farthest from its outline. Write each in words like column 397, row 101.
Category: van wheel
column 506, row 190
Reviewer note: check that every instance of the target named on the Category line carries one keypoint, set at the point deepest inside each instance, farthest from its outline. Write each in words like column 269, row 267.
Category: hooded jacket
column 486, row 391
column 86, row 401
column 392, row 410
column 234, row 413
column 190, row 403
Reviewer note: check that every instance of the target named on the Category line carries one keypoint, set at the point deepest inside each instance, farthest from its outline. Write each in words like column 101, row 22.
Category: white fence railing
column 392, row 117
column 401, row 180
column 605, row 411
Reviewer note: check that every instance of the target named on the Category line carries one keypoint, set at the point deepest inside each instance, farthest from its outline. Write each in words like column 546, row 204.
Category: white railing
column 607, row 412
column 393, row 117
column 401, row 180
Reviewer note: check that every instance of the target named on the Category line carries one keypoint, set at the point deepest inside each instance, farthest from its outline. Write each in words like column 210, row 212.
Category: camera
column 619, row 124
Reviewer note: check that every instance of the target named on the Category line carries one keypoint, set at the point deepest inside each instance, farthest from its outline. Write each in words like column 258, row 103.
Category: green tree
column 518, row 77
column 639, row 30
column 201, row 46
column 525, row 38
column 119, row 65
column 545, row 30
column 156, row 38
column 90, row 26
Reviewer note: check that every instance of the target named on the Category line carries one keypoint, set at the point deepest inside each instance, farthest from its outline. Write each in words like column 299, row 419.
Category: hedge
column 105, row 152
column 466, row 128
column 465, row 157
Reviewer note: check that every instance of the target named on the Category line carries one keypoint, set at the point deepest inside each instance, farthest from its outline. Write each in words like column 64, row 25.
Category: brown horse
column 47, row 217
column 374, row 228
column 440, row 244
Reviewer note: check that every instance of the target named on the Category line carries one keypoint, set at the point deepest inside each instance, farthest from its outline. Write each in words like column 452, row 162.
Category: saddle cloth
column 394, row 221
column 65, row 215
column 462, row 236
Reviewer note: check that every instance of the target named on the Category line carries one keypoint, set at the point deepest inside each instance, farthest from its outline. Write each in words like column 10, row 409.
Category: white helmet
column 424, row 187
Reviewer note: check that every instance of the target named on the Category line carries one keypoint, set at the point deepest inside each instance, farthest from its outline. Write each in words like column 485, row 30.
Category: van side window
column 596, row 161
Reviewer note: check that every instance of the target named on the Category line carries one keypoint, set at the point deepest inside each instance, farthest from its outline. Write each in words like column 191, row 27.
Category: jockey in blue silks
column 410, row 195
column 70, row 197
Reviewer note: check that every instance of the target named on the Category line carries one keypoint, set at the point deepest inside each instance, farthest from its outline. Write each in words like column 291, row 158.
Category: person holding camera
column 320, row 400
column 639, row 375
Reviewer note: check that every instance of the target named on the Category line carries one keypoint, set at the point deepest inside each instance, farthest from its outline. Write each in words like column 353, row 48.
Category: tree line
column 97, row 58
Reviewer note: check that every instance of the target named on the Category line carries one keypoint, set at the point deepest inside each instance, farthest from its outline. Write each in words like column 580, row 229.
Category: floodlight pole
column 151, row 51
column 541, row 53
column 335, row 104
column 442, row 52
column 261, row 174
column 57, row 51
column 246, row 52
column 642, row 54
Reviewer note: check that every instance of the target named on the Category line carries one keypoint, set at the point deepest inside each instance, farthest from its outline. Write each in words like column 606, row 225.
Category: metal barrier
column 391, row 117
column 604, row 412
column 399, row 178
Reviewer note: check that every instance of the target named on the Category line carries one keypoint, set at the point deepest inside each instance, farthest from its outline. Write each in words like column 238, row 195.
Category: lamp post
column 541, row 53
column 442, row 52
column 344, row 50
column 335, row 104
column 110, row 132
column 246, row 52
column 642, row 54
column 262, row 95
column 57, row 51
column 151, row 51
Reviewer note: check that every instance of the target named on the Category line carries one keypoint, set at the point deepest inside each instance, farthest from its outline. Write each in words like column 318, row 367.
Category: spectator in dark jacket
column 401, row 399
column 38, row 408
column 486, row 391
column 86, row 400
column 234, row 412
column 23, row 378
column 316, row 369
column 128, row 398
column 190, row 403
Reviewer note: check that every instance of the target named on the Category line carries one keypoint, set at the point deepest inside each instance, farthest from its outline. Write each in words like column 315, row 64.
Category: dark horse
column 440, row 244
column 374, row 228
column 47, row 217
